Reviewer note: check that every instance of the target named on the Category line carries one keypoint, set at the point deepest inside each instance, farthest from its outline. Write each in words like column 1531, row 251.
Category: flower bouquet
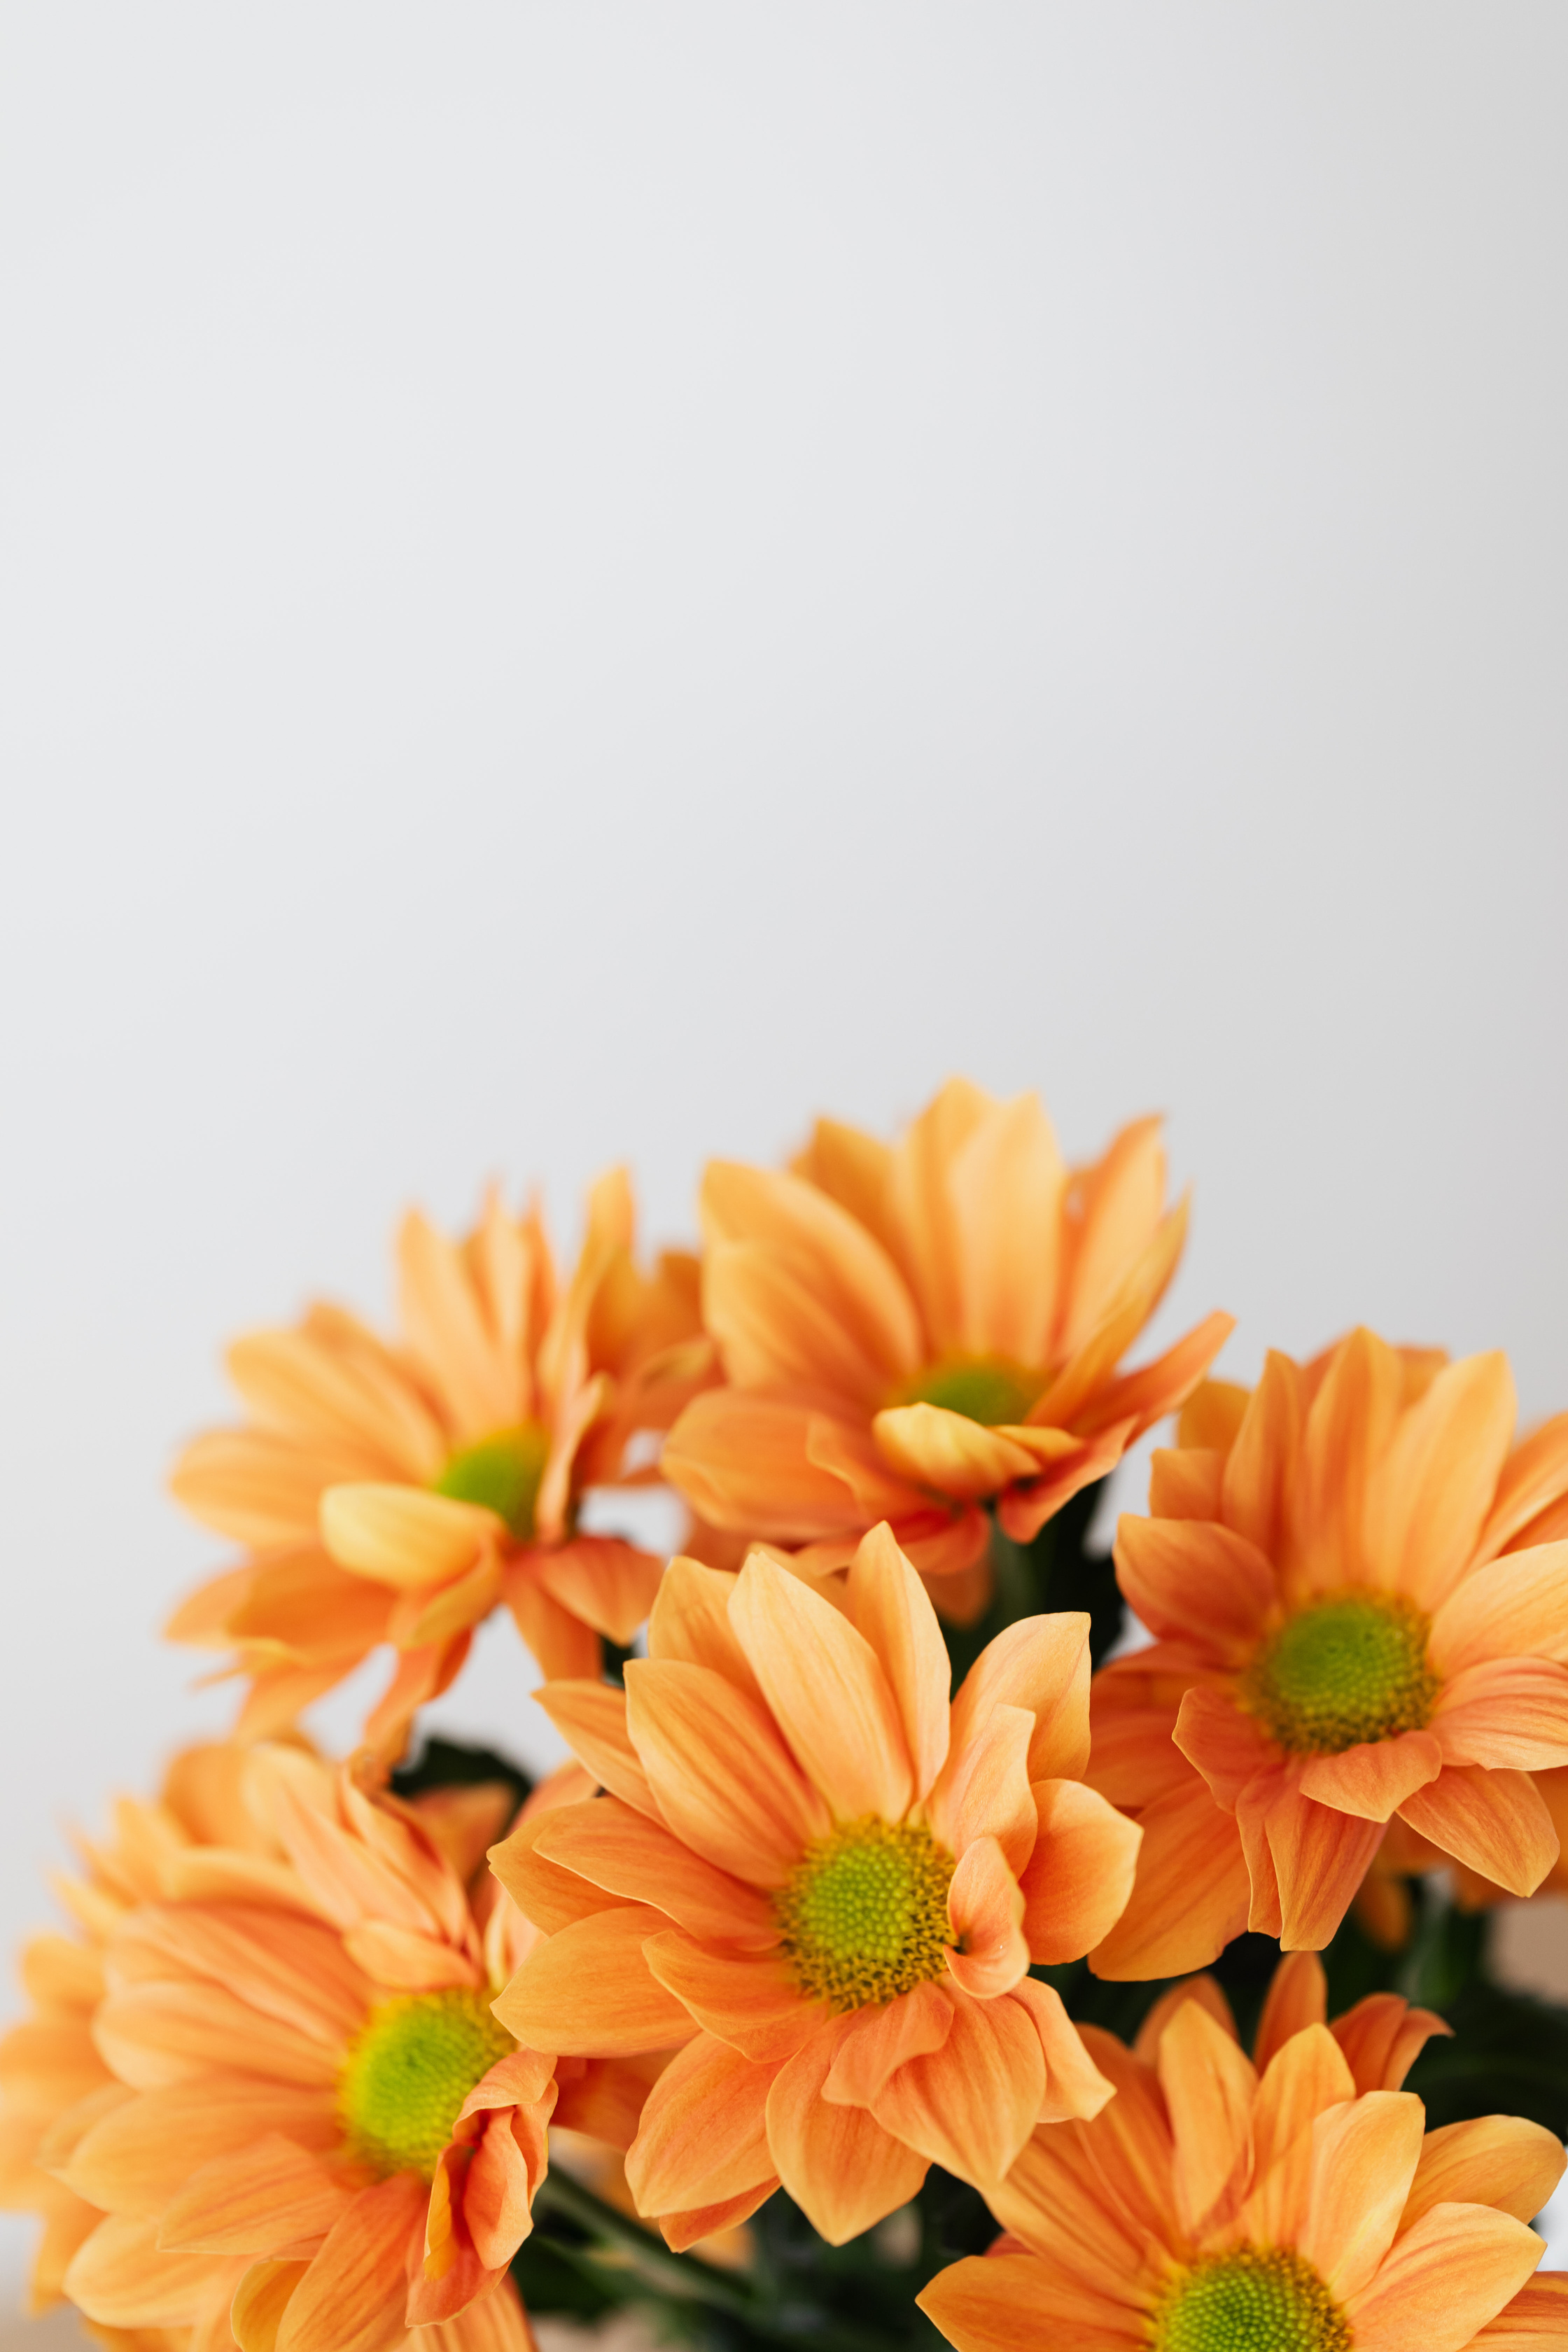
column 941, row 1929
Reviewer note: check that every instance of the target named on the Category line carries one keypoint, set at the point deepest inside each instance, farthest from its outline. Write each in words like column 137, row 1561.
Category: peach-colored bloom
column 271, row 2085
column 1360, row 1616
column 1212, row 2206
column 825, row 1883
column 398, row 1493
column 912, row 1332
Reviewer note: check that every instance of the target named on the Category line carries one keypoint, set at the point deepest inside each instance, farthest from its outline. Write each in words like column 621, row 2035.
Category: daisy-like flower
column 303, row 2128
column 398, row 1493
column 1361, row 1609
column 1214, row 2208
column 912, row 1332
column 826, row 1884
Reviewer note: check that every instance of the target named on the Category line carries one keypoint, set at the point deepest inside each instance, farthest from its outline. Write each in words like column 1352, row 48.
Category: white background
column 588, row 579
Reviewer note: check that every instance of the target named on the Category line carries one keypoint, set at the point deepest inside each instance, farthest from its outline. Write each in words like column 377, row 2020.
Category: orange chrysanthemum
column 827, row 1885
column 268, row 2102
column 1359, row 1596
column 1212, row 2207
column 911, row 1332
column 396, row 1494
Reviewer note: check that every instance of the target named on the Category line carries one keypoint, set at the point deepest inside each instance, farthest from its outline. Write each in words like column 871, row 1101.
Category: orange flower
column 826, row 1885
column 1357, row 1617
column 396, row 1494
column 1211, row 2207
column 271, row 2087
column 915, row 1331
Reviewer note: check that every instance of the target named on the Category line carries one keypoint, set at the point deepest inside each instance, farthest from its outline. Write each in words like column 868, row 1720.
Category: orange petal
column 549, row 1897
column 984, row 1909
column 1348, row 1427
column 1024, row 1509
column 134, row 2159
column 422, row 1674
column 494, row 2323
column 1374, row 1778
column 353, row 2298
column 1381, row 2038
column 743, row 1462
column 1320, row 1857
column 562, row 1647
column 1135, row 1400
column 592, row 1719
column 994, row 2303
column 252, row 2200
column 609, row 1585
column 1079, row 1877
column 881, row 2040
column 1297, row 1997
column 843, row 2170
column 261, row 2298
column 889, row 1607
column 1209, row 2086
column 1494, row 1822
column 1041, row 1663
column 410, row 1962
column 157, row 2033
column 686, row 2229
column 589, row 1990
column 1075, row 2087
column 1308, row 2077
column 1122, row 1198
column 1532, row 2320
column 1258, row 1469
column 721, row 1776
column 1534, row 1475
column 251, row 1485
column 403, row 1535
column 1202, row 1988
column 1510, row 1713
column 642, row 1862
column 1188, row 1577
column 1227, row 1745
column 754, row 2004
column 1427, row 1501
column 1073, row 2197
column 689, row 1621
column 1007, row 1184
column 703, row 2135
column 1516, row 1607
column 1364, row 2161
column 970, row 2104
column 1191, row 1893
column 1212, row 1415
column 118, row 2277
column 827, row 1690
column 922, row 1213
column 1498, row 2160
column 984, row 1788
column 1185, row 1483
column 1087, row 1373
column 948, row 1451
column 1445, row 2277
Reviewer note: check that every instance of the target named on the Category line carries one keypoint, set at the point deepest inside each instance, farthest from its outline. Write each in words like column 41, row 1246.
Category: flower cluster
column 856, row 1841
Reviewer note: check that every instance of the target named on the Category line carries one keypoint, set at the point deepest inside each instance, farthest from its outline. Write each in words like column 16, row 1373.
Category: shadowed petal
column 844, row 2171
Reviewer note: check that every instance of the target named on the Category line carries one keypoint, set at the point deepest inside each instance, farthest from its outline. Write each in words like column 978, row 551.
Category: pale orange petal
column 1498, row 2160
column 1229, row 1748
column 1516, row 1607
column 1006, row 1183
column 1187, row 1577
column 549, row 1897
column 970, row 2104
column 1297, row 1997
column 1510, row 1713
column 703, row 2134
column 983, row 1790
column 1123, row 1197
column 1534, row 1475
column 1494, row 1822
column 689, row 1621
column 948, row 1453
column 1185, row 1483
column 1319, row 1858
column 1349, row 1424
column 1079, row 1878
column 826, row 1688
column 261, row 2298
column 922, row 1213
column 1257, row 1470
column 1209, row 2085
column 754, row 2004
column 1374, row 1778
column 1381, row 2038
column 157, row 2033
column 642, row 1862
column 562, row 1646
column 118, row 2277
column 402, row 1536
column 994, row 2303
column 1427, row 1501
column 609, row 1585
column 721, row 1774
column 1445, row 2277
column 1533, row 2320
column 744, row 1461
column 833, row 1252
column 589, row 1990
column 592, row 1719
column 1207, row 1992
column 251, row 1485
column 985, row 1909
column 1306, row 2077
column 1364, row 2160
column 1075, row 2087
column 776, row 1328
column 883, row 2039
column 889, row 1607
column 253, row 2200
column 1041, row 1663
column 843, row 2170
column 134, row 2159
column 1190, row 1895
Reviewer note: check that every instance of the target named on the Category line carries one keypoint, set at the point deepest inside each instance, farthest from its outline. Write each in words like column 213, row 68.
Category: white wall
column 588, row 579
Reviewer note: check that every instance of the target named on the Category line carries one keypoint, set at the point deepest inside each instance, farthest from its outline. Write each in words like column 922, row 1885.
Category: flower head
column 824, row 1883
column 1359, row 1601
column 1291, row 2206
column 398, row 1493
column 284, row 2104
column 913, row 1332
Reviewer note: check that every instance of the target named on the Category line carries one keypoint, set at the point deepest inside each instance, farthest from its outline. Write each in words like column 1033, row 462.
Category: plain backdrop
column 586, row 581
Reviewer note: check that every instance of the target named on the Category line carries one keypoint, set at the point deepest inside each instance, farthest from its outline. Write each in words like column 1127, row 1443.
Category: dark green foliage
column 453, row 1764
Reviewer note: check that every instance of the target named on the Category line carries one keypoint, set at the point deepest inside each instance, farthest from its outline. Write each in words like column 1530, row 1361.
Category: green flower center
column 988, row 1388
column 1255, row 2299
column 503, row 1473
column 408, row 2072
column 864, row 1913
column 1350, row 1668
